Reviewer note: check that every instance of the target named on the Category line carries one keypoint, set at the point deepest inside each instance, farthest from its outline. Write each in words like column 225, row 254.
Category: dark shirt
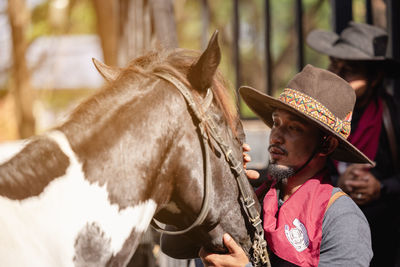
column 382, row 214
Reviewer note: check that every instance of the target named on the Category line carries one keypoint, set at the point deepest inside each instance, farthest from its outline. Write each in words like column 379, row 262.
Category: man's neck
column 293, row 183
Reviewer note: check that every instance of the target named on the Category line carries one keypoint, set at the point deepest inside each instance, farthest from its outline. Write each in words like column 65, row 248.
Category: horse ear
column 109, row 73
column 201, row 72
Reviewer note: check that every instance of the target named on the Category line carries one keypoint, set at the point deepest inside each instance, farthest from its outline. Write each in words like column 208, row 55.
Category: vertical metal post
column 393, row 28
column 268, row 65
column 236, row 49
column 299, row 32
column 342, row 13
column 369, row 17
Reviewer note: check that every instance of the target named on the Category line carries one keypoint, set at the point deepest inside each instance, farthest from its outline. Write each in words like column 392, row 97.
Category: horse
column 84, row 192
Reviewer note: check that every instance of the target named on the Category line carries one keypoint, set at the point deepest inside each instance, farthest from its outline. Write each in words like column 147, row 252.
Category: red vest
column 295, row 234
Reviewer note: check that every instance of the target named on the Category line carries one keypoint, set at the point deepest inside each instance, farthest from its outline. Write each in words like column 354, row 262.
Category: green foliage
column 252, row 37
column 39, row 22
column 359, row 11
column 83, row 18
column 80, row 19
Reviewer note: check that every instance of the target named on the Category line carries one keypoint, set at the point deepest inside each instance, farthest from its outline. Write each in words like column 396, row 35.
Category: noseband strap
column 260, row 254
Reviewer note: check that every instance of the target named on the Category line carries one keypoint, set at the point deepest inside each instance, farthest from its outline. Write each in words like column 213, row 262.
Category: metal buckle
column 256, row 221
column 237, row 168
column 248, row 203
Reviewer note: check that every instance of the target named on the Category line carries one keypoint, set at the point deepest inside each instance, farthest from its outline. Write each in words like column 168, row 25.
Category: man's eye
column 295, row 128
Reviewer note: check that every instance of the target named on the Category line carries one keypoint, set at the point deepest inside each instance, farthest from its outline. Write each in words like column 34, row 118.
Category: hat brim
column 264, row 105
column 327, row 43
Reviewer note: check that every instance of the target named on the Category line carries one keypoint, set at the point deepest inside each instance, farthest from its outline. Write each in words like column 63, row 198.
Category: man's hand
column 366, row 188
column 251, row 174
column 360, row 184
column 235, row 258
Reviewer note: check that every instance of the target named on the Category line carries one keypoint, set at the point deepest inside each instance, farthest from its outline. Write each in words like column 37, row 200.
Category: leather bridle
column 209, row 128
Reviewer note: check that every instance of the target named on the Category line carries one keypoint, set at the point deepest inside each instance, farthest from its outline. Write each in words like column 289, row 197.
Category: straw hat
column 318, row 96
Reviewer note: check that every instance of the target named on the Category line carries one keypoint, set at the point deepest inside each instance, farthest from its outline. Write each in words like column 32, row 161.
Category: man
column 358, row 55
column 307, row 221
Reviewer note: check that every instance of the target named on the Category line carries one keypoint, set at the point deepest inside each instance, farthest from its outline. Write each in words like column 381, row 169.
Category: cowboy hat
column 320, row 97
column 358, row 41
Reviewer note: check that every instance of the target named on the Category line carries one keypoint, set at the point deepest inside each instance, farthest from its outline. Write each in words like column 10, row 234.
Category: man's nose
column 276, row 136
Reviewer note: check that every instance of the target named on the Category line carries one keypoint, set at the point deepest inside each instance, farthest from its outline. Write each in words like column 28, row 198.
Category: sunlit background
column 58, row 38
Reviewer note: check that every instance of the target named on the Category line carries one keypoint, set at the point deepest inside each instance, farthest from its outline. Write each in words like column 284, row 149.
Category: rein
column 260, row 254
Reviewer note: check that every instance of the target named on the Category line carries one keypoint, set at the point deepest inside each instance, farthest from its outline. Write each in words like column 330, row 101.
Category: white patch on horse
column 42, row 230
column 10, row 149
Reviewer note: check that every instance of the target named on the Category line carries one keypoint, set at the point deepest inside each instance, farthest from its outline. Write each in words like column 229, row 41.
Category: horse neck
column 93, row 114
column 129, row 148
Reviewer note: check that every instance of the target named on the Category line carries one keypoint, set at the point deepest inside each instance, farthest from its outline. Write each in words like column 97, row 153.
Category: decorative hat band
column 311, row 107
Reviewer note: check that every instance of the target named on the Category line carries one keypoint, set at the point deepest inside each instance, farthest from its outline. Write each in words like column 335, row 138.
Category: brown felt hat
column 318, row 96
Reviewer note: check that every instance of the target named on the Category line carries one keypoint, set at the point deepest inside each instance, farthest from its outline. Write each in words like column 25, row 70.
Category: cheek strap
column 317, row 149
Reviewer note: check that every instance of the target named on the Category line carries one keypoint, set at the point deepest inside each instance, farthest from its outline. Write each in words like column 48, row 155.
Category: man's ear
column 329, row 144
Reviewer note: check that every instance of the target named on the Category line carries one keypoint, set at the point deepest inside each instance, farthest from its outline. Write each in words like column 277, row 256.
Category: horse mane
column 177, row 63
column 174, row 62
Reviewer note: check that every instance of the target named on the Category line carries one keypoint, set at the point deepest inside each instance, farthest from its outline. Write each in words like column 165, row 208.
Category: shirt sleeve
column 346, row 236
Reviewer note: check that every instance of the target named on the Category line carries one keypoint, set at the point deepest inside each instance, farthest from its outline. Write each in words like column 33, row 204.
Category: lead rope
column 260, row 253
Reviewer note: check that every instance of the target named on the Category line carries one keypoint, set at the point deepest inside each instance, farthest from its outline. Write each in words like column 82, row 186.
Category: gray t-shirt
column 346, row 237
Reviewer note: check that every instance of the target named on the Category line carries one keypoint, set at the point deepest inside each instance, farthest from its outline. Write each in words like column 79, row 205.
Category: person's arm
column 346, row 237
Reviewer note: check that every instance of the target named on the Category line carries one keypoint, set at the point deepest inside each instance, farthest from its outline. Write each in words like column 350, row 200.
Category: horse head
column 186, row 193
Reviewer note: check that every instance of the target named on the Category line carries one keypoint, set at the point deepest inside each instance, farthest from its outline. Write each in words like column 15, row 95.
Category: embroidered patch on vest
column 297, row 236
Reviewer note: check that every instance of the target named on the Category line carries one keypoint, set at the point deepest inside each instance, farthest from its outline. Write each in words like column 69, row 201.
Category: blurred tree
column 107, row 28
column 19, row 18
column 284, row 62
column 205, row 20
column 128, row 28
column 164, row 22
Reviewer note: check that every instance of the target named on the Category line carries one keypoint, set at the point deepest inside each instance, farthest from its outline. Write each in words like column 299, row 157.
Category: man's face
column 292, row 142
column 354, row 73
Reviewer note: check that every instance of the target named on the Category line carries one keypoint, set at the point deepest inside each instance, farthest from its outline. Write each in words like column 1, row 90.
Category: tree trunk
column 107, row 27
column 164, row 23
column 136, row 30
column 129, row 28
column 23, row 94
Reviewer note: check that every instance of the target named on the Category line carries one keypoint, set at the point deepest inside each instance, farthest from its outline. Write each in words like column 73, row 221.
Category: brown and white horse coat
column 89, row 219
column 84, row 193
